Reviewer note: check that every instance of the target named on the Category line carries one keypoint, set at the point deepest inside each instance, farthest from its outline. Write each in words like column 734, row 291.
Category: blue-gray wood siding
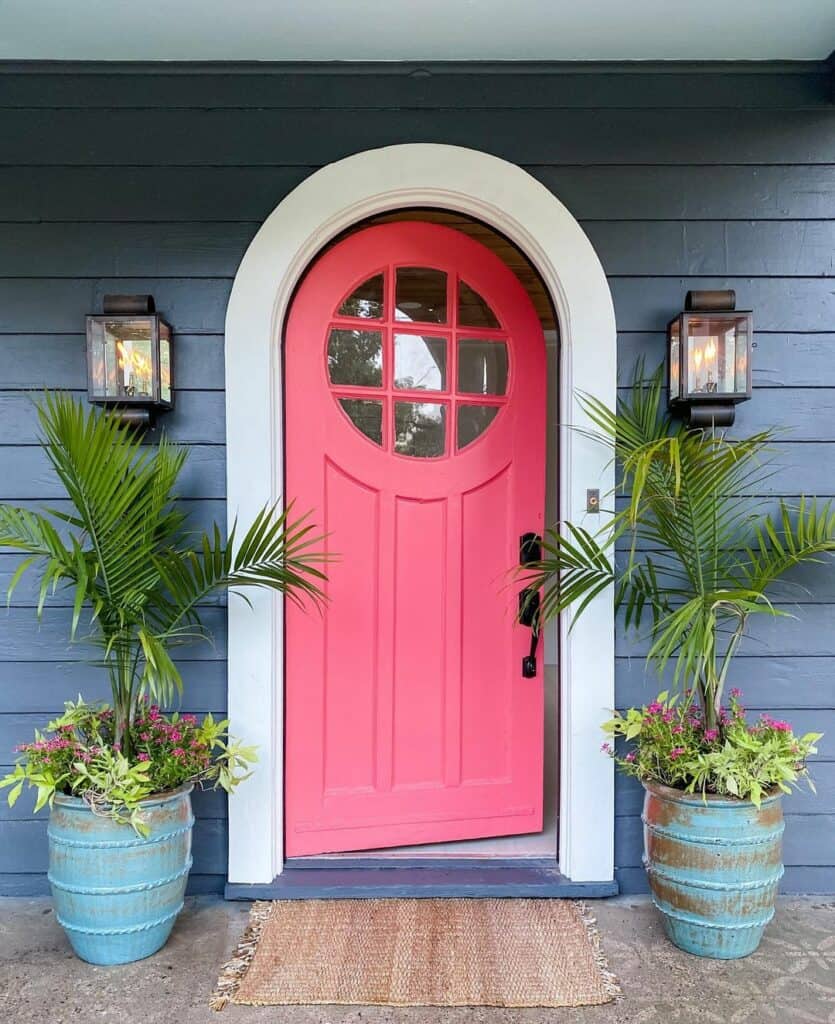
column 155, row 179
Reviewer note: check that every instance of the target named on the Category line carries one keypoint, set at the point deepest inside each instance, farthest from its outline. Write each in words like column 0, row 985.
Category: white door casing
column 329, row 201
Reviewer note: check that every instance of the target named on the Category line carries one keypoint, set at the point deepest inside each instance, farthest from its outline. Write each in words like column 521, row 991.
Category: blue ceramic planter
column 713, row 868
column 117, row 894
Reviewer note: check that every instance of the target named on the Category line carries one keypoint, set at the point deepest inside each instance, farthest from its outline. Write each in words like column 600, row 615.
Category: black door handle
column 530, row 548
column 529, row 663
column 530, row 551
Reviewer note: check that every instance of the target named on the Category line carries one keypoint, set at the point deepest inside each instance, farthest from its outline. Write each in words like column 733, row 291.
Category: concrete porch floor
column 790, row 979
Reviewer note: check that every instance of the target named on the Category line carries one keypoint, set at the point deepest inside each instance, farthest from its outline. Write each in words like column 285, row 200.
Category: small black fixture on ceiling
column 130, row 358
column 709, row 358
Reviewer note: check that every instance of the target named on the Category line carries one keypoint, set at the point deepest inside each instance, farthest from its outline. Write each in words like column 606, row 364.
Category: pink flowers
column 736, row 693
column 700, row 747
column 48, row 746
column 773, row 723
column 171, row 748
column 606, row 748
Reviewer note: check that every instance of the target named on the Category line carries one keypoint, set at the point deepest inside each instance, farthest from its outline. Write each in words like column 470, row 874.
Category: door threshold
column 419, row 878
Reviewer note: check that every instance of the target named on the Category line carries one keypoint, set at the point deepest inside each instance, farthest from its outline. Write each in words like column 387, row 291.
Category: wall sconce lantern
column 130, row 359
column 709, row 348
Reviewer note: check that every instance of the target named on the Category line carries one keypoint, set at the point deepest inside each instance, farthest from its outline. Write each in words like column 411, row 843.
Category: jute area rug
column 417, row 952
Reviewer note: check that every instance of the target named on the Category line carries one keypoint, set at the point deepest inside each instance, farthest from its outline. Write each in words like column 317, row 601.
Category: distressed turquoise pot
column 118, row 894
column 713, row 867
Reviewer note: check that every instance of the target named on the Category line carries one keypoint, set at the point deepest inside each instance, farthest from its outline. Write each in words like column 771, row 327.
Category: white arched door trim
column 330, row 200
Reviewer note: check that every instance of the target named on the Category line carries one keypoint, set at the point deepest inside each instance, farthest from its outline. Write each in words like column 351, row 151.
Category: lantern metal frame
column 139, row 410
column 706, row 408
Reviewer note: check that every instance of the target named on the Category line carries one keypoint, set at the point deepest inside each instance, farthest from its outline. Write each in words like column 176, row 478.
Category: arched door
column 415, row 426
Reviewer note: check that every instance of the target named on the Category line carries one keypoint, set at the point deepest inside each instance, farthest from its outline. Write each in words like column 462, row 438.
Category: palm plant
column 695, row 559
column 126, row 553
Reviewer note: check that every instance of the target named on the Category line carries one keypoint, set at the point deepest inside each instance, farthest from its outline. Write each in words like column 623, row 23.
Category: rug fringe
column 233, row 971
column 610, row 980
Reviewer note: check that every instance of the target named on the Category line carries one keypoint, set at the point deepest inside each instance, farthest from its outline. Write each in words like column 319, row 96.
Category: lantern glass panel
column 122, row 358
column 717, row 355
column 164, row 362
column 675, row 360
column 743, row 346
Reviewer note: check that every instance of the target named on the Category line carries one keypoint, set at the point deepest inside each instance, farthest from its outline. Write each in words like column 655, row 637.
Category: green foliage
column 80, row 756
column 672, row 745
column 700, row 560
column 114, row 787
column 126, row 555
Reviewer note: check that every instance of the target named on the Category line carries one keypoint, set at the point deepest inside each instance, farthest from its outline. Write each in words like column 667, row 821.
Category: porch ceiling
column 370, row 30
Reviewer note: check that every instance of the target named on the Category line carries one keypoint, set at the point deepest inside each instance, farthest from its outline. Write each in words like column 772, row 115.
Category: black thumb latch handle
column 529, row 663
column 530, row 551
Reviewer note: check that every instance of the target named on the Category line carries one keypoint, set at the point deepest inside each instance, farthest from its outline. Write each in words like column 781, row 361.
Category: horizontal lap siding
column 157, row 181
column 301, row 137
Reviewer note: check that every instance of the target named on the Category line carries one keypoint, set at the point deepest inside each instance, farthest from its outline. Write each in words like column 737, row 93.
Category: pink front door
column 415, row 426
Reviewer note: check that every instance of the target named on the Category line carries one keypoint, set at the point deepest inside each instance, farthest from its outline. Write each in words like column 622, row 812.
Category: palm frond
column 574, row 569
column 695, row 549
column 790, row 539
column 276, row 553
column 125, row 550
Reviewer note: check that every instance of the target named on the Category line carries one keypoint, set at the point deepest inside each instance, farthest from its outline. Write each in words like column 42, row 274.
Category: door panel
column 419, row 443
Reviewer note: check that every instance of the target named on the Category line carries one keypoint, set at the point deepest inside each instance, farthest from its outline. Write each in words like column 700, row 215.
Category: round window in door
column 415, row 431
column 418, row 390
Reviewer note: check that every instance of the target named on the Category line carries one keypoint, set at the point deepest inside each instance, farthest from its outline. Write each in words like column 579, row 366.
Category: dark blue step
column 370, row 878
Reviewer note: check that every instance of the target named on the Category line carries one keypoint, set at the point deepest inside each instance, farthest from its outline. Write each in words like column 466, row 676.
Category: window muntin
column 385, row 378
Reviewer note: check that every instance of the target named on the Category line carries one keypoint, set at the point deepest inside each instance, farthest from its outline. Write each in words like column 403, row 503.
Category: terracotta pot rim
column 155, row 799
column 714, row 799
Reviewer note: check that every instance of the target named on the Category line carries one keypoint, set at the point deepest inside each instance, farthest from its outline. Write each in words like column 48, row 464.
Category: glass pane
column 675, row 357
column 713, row 352
column 482, row 367
column 420, row 295
column 355, row 357
column 367, row 415
column 164, row 362
column 366, row 301
column 419, row 362
column 122, row 365
column 419, row 429
column 473, row 311
column 741, row 362
column 472, row 421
